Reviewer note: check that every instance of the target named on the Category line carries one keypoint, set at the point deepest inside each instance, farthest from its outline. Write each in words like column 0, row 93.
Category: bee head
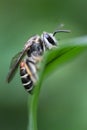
column 49, row 38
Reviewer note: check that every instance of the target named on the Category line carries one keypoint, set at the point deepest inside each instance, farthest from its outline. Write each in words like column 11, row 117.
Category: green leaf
column 51, row 61
column 66, row 51
column 60, row 57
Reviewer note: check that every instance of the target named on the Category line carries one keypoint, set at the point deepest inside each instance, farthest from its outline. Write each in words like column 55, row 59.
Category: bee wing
column 14, row 65
column 17, row 59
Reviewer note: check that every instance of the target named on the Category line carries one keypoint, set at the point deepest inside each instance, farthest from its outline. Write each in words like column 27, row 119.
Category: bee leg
column 32, row 75
column 37, row 58
column 38, row 66
column 31, row 70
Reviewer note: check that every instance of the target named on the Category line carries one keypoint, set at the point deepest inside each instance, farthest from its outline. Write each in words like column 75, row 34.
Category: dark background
column 63, row 98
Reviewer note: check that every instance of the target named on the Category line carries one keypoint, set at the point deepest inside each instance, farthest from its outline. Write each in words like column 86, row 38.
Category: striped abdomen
column 25, row 78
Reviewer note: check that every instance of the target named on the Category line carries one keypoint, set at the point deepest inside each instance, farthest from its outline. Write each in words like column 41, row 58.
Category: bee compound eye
column 50, row 39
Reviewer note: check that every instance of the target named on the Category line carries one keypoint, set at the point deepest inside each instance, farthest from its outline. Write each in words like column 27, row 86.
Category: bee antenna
column 58, row 31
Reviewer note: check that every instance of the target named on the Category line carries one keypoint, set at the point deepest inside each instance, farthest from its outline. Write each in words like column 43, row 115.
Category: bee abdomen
column 26, row 80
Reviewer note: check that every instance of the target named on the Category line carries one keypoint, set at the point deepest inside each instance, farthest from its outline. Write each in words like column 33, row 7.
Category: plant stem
column 32, row 124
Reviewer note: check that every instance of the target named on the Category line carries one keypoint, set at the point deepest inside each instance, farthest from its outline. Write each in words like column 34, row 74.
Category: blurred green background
column 63, row 97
